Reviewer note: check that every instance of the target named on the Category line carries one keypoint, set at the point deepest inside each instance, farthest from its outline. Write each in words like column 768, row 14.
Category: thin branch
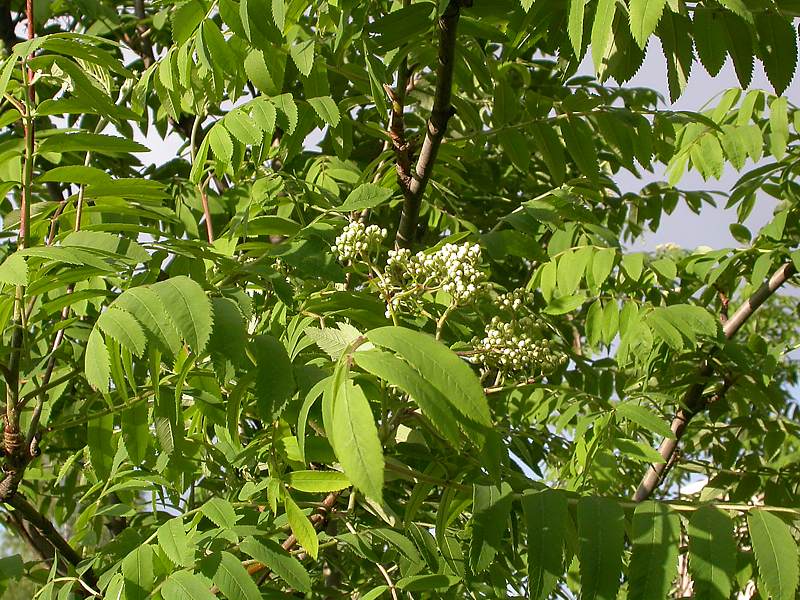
column 693, row 401
column 437, row 124
column 397, row 126
column 318, row 520
column 11, row 429
column 145, row 47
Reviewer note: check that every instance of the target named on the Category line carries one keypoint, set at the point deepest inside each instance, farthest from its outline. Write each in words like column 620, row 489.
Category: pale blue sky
column 683, row 227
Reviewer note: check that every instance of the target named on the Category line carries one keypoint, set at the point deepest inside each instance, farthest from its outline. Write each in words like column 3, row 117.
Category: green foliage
column 225, row 375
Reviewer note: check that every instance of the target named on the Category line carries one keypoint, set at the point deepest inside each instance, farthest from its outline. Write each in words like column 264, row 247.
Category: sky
column 683, row 227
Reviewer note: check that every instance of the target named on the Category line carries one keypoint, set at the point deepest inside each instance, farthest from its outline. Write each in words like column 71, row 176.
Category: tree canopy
column 375, row 330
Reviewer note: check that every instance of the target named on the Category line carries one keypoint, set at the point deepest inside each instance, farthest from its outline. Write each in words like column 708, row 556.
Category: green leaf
column 740, row 47
column 199, row 164
column 189, row 308
column 333, row 341
column 241, row 126
column 303, row 56
column 491, row 506
column 217, row 47
column 265, row 115
column 175, row 543
column 137, row 569
column 645, row 418
column 516, row 148
column 602, row 32
column 185, row 20
column 564, row 304
column 14, row 270
column 275, row 383
column 233, row 580
column 5, row 73
column 422, row 583
column 656, row 536
column 550, row 149
column 778, row 127
column 575, row 26
column 288, row 108
column 376, row 592
column 279, row 561
column 11, row 567
column 97, row 365
column 148, row 308
column 221, row 142
column 777, row 37
column 355, row 440
column 366, row 195
column 90, row 142
column 666, row 330
column 398, row 27
column 99, row 436
column 776, row 554
column 710, row 40
column 644, row 17
column 124, row 328
column 317, row 481
column 571, row 268
column 327, row 110
column 638, row 451
column 601, row 531
column 675, row 34
column 144, row 191
column 712, row 553
column 546, row 519
column 633, row 265
column 602, row 265
column 184, row 585
column 220, row 512
column 738, row 7
column 136, row 431
column 80, row 174
column 279, row 13
column 433, row 403
column 440, row 367
column 301, row 527
column 100, row 241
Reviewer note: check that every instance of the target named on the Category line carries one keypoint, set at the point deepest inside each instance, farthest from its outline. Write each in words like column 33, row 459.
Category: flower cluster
column 516, row 301
column 518, row 345
column 515, row 340
column 358, row 242
column 453, row 269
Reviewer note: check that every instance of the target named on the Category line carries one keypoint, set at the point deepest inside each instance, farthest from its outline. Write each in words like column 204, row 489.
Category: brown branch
column 31, row 537
column 694, row 401
column 11, row 428
column 397, row 126
column 318, row 520
column 48, row 530
column 144, row 46
column 437, row 124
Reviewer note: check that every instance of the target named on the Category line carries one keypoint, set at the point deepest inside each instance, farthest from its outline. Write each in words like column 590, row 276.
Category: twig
column 318, row 520
column 693, row 401
column 437, row 124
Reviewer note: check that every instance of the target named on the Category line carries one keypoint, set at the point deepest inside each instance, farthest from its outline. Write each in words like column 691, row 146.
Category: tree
column 373, row 330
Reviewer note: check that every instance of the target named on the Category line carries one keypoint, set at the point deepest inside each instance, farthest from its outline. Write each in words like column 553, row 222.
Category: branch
column 437, row 124
column 693, row 401
column 397, row 126
column 46, row 528
column 318, row 520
